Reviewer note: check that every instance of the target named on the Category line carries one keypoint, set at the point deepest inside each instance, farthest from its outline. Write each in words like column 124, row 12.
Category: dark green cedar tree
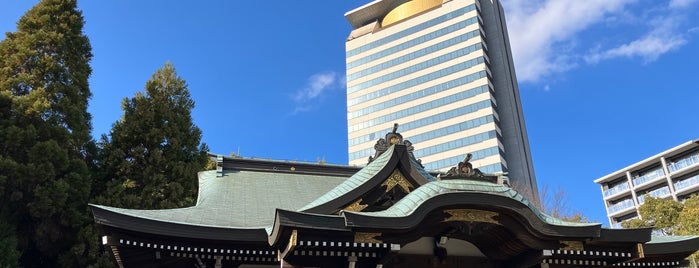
column 154, row 152
column 45, row 129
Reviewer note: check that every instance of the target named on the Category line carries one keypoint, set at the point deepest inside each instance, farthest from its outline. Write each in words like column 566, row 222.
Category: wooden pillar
column 352, row 261
column 284, row 264
column 218, row 262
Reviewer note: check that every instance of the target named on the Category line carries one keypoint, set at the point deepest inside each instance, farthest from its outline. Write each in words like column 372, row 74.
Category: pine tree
column 44, row 133
column 153, row 154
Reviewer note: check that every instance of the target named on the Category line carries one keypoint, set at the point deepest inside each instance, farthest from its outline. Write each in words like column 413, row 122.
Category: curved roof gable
column 379, row 172
column 464, row 193
column 412, row 201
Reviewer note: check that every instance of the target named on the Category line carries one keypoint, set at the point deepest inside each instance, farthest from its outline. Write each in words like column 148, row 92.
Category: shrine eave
column 106, row 216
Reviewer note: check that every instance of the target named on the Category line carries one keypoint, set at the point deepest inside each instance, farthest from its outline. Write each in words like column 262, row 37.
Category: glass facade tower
column 442, row 70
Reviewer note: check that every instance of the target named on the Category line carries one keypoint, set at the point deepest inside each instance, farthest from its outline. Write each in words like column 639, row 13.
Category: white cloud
column 317, row 85
column 546, row 34
column 542, row 31
column 678, row 4
column 663, row 37
column 300, row 109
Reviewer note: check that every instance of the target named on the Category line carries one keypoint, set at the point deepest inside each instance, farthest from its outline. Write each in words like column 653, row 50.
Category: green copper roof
column 242, row 199
column 414, row 199
column 668, row 239
column 423, row 172
column 355, row 181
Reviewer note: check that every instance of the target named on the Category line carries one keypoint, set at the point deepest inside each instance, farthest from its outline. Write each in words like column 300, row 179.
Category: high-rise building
column 671, row 174
column 443, row 70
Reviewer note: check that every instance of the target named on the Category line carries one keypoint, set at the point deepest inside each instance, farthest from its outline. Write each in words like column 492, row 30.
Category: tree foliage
column 153, row 153
column 44, row 134
column 50, row 167
column 661, row 214
column 669, row 217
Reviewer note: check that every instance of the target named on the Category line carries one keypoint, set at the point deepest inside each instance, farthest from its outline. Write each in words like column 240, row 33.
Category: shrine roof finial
column 465, row 170
column 392, row 138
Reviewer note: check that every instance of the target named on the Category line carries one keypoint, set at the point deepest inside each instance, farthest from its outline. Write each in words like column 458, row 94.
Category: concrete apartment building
column 443, row 70
column 671, row 174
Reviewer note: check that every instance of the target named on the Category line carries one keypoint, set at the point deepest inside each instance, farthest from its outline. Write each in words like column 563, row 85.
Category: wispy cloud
column 681, row 3
column 664, row 37
column 542, row 31
column 545, row 34
column 316, row 86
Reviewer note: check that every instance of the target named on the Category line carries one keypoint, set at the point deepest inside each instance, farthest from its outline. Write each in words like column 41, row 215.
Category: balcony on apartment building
column 620, row 206
column 686, row 184
column 648, row 176
column 657, row 193
column 616, row 189
column 683, row 163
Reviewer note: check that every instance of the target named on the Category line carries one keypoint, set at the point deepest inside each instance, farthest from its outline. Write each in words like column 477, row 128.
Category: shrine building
column 389, row 213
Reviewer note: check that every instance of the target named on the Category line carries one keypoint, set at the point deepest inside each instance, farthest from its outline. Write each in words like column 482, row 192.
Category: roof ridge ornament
column 393, row 138
column 465, row 170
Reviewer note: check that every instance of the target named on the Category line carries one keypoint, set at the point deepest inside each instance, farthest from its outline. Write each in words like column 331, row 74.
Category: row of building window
column 679, row 185
column 475, row 155
column 660, row 192
column 416, row 95
column 616, row 189
column 619, row 206
column 627, row 203
column 492, row 168
column 431, row 119
column 421, row 108
column 691, row 181
column 471, row 108
column 648, row 176
column 653, row 174
column 412, row 30
column 421, row 39
column 459, row 143
column 417, row 67
column 422, row 79
column 469, row 124
column 684, row 162
column 657, row 193
column 415, row 55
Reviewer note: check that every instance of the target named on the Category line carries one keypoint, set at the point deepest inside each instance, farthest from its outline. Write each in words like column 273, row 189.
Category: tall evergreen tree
column 154, row 151
column 44, row 133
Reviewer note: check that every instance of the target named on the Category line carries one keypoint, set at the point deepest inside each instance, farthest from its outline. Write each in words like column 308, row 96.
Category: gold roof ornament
column 392, row 138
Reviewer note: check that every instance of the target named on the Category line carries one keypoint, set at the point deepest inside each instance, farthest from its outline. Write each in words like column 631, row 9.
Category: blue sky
column 604, row 83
